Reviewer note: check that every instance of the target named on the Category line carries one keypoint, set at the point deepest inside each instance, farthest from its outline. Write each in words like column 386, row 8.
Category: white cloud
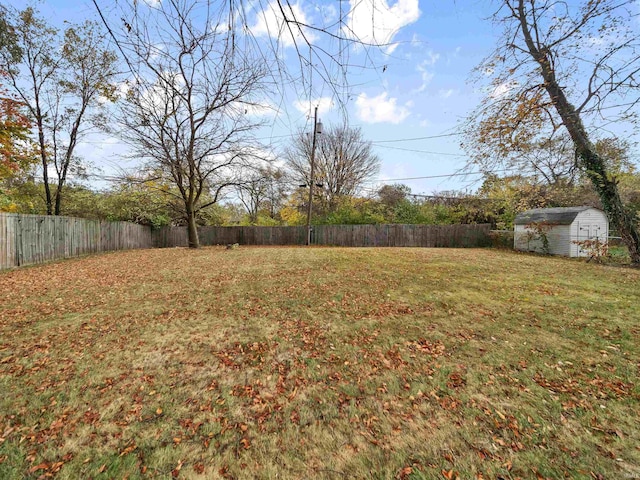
column 123, row 88
column 329, row 13
column 432, row 58
column 426, row 75
column 426, row 80
column 381, row 109
column 502, row 89
column 270, row 22
column 374, row 21
column 324, row 104
column 446, row 93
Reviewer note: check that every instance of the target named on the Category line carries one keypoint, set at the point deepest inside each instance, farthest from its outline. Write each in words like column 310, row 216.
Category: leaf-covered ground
column 319, row 363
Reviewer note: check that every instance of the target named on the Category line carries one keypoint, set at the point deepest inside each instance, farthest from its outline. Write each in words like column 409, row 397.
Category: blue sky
column 419, row 88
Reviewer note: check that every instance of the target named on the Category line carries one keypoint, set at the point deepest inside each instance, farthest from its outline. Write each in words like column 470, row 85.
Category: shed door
column 589, row 232
column 584, row 233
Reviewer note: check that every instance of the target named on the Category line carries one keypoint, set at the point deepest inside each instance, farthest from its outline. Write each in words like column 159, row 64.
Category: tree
column 130, row 200
column 61, row 80
column 264, row 188
column 564, row 68
column 344, row 162
column 17, row 154
column 393, row 195
column 185, row 111
column 15, row 148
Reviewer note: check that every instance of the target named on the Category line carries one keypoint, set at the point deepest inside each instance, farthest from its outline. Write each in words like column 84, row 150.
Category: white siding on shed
column 559, row 243
column 558, row 238
column 588, row 224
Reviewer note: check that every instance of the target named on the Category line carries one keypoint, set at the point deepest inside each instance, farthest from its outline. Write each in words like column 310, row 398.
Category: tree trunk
column 622, row 219
column 593, row 165
column 192, row 229
column 58, row 204
column 73, row 139
column 43, row 159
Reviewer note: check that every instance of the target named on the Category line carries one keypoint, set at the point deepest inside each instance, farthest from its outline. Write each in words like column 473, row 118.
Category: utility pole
column 317, row 129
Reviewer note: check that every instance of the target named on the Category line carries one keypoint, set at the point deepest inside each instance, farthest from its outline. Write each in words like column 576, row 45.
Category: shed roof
column 552, row 216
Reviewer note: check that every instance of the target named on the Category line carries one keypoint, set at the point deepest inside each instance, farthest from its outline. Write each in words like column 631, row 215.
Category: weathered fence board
column 31, row 239
column 338, row 235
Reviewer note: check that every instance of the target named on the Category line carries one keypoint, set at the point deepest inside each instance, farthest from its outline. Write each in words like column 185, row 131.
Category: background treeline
column 280, row 201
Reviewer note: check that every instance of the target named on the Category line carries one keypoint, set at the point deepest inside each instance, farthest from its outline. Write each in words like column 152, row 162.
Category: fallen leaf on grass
column 129, row 449
column 41, row 466
column 404, row 473
column 450, row 474
column 176, row 471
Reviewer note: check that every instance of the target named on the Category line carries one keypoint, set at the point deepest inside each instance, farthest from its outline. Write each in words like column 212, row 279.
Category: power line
column 375, row 144
column 442, row 135
column 384, row 180
column 291, row 135
column 418, row 138
column 457, row 174
column 432, row 197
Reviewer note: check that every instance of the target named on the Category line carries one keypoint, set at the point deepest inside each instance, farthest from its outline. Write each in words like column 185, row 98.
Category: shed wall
column 558, row 237
column 559, row 240
column 588, row 225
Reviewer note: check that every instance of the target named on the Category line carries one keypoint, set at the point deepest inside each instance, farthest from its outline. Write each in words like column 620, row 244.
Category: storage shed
column 561, row 227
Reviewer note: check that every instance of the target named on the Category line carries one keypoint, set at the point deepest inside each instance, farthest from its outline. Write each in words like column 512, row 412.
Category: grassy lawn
column 320, row 363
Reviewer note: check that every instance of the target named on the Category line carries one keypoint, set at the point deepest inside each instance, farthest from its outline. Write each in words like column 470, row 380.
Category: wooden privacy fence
column 31, row 239
column 177, row 236
column 338, row 235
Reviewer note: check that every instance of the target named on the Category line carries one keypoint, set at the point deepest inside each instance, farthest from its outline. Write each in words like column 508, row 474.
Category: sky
column 410, row 106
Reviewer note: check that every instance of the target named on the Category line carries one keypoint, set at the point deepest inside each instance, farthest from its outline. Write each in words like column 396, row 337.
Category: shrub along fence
column 338, row 235
column 31, row 239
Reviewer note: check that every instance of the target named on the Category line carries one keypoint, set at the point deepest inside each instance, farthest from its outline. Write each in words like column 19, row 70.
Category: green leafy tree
column 60, row 79
column 17, row 154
